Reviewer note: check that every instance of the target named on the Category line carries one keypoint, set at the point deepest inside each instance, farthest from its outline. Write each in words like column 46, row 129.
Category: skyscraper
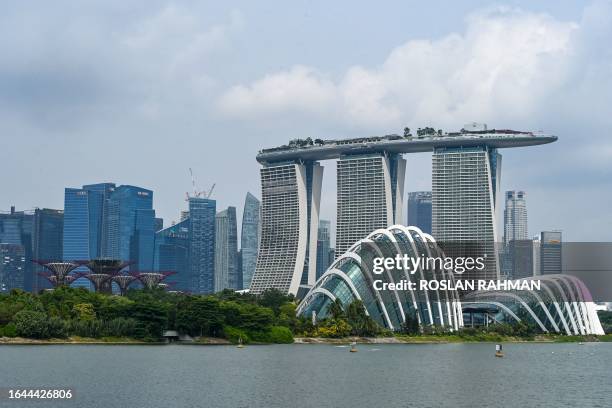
column 551, row 252
column 370, row 196
column 82, row 227
column 130, row 227
column 249, row 238
column 16, row 233
column 291, row 195
column 419, row 210
column 323, row 248
column 465, row 182
column 159, row 224
column 515, row 217
column 172, row 253
column 521, row 255
column 226, row 250
column 202, row 213
column 47, row 243
column 12, row 267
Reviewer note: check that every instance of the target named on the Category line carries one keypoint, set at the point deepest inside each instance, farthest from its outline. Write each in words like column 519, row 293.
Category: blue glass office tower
column 323, row 247
column 202, row 212
column 47, row 244
column 84, row 214
column 172, row 253
column 130, row 227
column 419, row 210
column 249, row 239
column 16, row 238
column 12, row 267
column 226, row 251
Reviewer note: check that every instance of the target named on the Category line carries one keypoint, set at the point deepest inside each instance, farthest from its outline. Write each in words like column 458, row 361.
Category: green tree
column 151, row 318
column 360, row 322
column 31, row 324
column 336, row 310
column 200, row 316
column 84, row 311
column 274, row 299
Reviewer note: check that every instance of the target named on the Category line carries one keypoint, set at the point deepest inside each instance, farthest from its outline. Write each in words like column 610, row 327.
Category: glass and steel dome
column 350, row 277
column 562, row 305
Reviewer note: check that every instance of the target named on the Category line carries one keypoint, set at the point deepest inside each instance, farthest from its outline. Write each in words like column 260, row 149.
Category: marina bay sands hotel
column 466, row 169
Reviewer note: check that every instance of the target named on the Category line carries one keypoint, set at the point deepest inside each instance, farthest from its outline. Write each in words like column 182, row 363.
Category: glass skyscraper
column 47, row 244
column 226, row 251
column 202, row 212
column 551, row 252
column 515, row 217
column 16, row 235
column 83, row 215
column 12, row 267
column 172, row 253
column 130, row 227
column 419, row 210
column 323, row 247
column 249, row 238
column 516, row 244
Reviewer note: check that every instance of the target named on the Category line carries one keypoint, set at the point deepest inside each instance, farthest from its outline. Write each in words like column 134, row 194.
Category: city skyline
column 127, row 111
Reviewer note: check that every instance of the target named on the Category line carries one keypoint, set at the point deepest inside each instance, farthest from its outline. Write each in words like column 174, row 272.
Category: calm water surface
column 448, row 375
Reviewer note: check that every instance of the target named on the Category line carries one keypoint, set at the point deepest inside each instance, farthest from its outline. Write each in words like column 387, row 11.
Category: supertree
column 151, row 280
column 102, row 272
column 58, row 273
column 123, row 281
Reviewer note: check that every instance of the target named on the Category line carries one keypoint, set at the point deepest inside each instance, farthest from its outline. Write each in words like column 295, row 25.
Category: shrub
column 31, row 324
column 334, row 328
column 280, row 335
column 85, row 328
column 84, row 311
column 119, row 327
column 10, row 330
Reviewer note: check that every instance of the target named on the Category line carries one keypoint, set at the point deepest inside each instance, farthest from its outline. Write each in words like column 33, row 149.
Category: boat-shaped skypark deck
column 308, row 150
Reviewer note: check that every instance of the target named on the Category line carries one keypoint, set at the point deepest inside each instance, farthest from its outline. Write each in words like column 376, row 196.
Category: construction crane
column 196, row 193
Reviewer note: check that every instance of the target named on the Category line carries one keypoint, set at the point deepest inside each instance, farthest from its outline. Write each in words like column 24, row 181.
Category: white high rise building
column 515, row 217
column 370, row 196
column 465, row 184
column 291, row 195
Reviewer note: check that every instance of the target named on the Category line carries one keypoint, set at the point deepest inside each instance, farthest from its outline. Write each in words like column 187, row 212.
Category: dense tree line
column 145, row 315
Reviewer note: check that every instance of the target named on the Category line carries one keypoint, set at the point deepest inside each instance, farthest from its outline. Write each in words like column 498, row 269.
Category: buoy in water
column 240, row 345
column 353, row 347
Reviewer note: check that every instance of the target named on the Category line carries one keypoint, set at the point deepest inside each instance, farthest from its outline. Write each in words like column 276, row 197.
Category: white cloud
column 505, row 65
column 300, row 89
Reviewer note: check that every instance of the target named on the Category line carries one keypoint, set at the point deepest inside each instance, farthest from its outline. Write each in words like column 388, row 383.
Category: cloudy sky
column 137, row 92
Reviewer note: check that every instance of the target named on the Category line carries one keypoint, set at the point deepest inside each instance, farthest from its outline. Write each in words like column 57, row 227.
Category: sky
column 139, row 92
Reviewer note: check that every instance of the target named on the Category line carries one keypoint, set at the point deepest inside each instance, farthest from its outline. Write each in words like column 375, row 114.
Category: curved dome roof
column 350, row 277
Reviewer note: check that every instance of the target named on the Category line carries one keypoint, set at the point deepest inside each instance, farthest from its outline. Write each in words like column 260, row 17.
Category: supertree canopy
column 58, row 273
column 102, row 272
column 123, row 281
column 106, row 266
column 151, row 280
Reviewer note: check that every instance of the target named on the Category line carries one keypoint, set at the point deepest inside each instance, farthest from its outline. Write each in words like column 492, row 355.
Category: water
column 446, row 375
